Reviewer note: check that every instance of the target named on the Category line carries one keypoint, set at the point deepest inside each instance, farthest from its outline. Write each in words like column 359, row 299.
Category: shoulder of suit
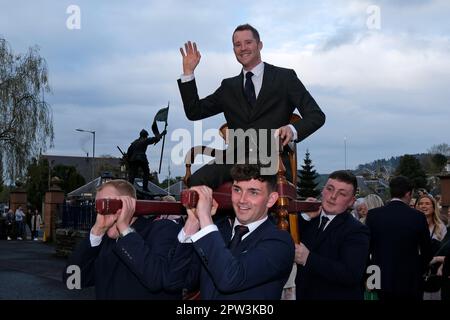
column 271, row 67
column 270, row 230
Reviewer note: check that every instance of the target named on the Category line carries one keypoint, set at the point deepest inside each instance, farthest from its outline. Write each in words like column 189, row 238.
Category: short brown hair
column 346, row 177
column 244, row 27
column 124, row 187
column 245, row 172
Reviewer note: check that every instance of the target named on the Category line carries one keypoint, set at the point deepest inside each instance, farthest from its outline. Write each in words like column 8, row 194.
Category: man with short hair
column 400, row 243
column 262, row 97
column 332, row 255
column 126, row 257
column 248, row 258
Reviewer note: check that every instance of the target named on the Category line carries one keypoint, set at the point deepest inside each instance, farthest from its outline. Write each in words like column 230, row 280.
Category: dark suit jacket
column 133, row 267
column 400, row 245
column 280, row 94
column 257, row 268
column 337, row 259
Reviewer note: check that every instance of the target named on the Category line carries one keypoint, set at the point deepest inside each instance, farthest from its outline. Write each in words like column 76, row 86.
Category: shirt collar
column 329, row 216
column 251, row 226
column 257, row 70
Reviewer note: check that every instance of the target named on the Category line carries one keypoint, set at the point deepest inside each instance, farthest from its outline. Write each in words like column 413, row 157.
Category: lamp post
column 93, row 149
column 345, row 153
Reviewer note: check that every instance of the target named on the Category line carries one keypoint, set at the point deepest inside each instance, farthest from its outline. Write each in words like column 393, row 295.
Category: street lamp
column 93, row 149
column 345, row 153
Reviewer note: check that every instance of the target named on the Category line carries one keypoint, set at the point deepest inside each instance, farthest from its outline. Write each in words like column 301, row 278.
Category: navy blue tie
column 239, row 232
column 249, row 89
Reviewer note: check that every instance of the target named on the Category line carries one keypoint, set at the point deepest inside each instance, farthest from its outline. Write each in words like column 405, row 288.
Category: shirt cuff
column 203, row 232
column 186, row 78
column 95, row 240
column 305, row 217
column 293, row 131
column 182, row 238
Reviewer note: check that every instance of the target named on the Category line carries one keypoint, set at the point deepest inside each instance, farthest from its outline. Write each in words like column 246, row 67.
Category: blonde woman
column 427, row 205
column 438, row 230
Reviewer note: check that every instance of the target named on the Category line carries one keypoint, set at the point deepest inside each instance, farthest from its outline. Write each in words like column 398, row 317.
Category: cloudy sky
column 380, row 70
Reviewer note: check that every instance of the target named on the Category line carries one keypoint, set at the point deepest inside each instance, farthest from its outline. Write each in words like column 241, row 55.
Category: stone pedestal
column 53, row 199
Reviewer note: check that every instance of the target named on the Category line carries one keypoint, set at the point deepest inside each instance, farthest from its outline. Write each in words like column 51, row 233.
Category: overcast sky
column 383, row 80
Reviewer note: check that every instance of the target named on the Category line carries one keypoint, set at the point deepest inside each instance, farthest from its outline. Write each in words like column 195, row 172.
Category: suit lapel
column 334, row 224
column 238, row 90
column 267, row 84
column 253, row 237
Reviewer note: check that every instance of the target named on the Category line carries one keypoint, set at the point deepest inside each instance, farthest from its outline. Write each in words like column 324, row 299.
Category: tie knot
column 249, row 75
column 240, row 230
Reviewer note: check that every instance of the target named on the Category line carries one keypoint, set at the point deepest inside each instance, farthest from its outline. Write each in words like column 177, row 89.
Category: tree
column 442, row 148
column 71, row 179
column 410, row 167
column 439, row 161
column 37, row 181
column 26, row 124
column 306, row 184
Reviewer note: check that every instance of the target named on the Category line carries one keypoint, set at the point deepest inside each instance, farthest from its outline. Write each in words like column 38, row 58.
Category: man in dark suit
column 262, row 97
column 125, row 257
column 400, row 243
column 332, row 255
column 255, row 264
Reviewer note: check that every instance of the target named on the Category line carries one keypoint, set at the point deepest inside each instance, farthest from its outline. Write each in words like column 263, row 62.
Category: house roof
column 83, row 165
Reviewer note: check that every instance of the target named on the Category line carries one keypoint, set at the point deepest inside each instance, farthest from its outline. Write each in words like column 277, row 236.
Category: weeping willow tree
column 26, row 122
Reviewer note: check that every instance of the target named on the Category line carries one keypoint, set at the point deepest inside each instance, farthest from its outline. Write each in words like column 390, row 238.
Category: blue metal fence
column 79, row 216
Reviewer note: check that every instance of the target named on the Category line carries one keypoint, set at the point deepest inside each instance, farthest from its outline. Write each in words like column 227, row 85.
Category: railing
column 80, row 216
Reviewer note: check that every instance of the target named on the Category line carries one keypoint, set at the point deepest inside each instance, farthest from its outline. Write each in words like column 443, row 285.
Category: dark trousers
column 214, row 175
column 134, row 169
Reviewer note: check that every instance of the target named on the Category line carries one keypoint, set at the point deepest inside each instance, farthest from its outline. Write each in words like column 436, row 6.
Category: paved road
column 29, row 270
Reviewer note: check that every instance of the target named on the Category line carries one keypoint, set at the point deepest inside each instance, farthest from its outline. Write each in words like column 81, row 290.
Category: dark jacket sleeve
column 148, row 258
column 84, row 257
column 312, row 116
column 349, row 269
column 196, row 108
column 184, row 268
column 270, row 259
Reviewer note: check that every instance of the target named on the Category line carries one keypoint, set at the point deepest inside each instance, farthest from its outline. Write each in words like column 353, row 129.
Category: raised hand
column 103, row 222
column 191, row 57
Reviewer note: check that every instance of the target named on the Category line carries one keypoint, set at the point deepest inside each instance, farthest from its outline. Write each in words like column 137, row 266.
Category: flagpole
column 164, row 139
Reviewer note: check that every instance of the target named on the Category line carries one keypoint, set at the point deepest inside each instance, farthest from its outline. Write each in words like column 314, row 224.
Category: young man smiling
column 333, row 252
column 248, row 258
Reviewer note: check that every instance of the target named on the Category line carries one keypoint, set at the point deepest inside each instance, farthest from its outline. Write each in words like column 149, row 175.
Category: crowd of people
column 245, row 256
column 18, row 224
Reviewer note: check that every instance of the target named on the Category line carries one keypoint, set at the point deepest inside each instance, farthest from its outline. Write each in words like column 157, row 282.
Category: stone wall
column 67, row 240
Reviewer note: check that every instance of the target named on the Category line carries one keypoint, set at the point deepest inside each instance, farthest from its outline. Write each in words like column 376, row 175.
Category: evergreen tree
column 306, row 184
column 410, row 167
